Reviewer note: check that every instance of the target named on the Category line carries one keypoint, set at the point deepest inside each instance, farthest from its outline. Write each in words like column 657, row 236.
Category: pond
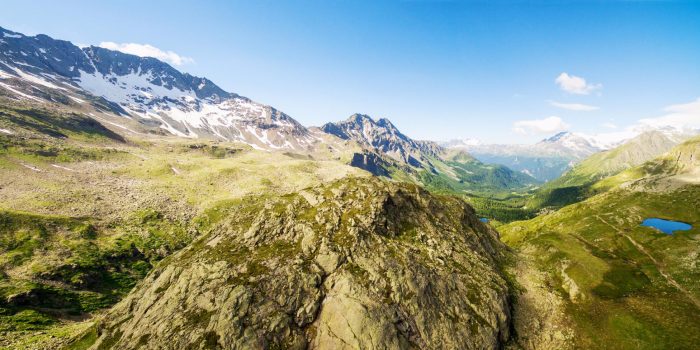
column 484, row 220
column 666, row 226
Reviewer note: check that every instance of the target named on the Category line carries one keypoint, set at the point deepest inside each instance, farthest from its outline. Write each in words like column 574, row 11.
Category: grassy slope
column 577, row 184
column 84, row 213
column 624, row 286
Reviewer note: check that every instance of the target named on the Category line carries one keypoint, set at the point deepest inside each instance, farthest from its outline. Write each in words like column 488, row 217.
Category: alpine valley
column 146, row 208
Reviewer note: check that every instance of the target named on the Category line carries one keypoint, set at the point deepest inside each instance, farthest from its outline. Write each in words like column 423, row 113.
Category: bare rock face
column 383, row 137
column 354, row 264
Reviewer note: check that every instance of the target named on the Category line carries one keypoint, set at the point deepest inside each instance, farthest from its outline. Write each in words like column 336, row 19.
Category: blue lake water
column 666, row 226
column 484, row 220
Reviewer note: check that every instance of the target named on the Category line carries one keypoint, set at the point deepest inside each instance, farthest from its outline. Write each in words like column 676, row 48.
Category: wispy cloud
column 576, row 85
column 609, row 125
column 683, row 116
column 145, row 50
column 540, row 126
column 574, row 106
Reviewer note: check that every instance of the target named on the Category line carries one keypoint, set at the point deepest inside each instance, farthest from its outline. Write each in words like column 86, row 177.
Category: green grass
column 85, row 340
column 475, row 177
column 53, row 266
column 57, row 124
column 625, row 299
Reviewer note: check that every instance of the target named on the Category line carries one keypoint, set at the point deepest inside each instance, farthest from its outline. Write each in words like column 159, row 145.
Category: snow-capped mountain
column 42, row 69
column 568, row 144
column 382, row 136
column 549, row 158
column 564, row 144
column 544, row 160
column 461, row 143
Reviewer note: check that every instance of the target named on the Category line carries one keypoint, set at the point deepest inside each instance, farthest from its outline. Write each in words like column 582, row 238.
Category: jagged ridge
column 40, row 68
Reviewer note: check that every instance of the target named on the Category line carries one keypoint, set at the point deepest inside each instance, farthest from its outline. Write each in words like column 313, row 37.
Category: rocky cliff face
column 355, row 264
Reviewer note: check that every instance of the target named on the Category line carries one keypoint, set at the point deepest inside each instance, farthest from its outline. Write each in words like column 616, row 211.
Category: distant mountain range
column 145, row 95
column 382, row 136
column 549, row 158
column 545, row 160
column 575, row 184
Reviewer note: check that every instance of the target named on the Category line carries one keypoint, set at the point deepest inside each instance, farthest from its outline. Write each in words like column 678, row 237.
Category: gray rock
column 376, row 266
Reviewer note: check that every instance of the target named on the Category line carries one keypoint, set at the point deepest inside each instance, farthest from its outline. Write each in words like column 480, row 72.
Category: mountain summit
column 384, row 137
column 144, row 89
column 568, row 144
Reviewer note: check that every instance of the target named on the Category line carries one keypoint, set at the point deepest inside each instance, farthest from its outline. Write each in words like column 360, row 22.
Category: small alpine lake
column 666, row 226
column 486, row 220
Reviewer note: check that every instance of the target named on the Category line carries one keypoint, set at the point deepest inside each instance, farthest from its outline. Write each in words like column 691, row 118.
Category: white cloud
column 575, row 85
column 683, row 117
column 609, row 125
column 145, row 50
column 680, row 116
column 574, row 106
column 540, row 126
column 611, row 139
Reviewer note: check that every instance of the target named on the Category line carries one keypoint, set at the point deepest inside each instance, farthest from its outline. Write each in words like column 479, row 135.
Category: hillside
column 87, row 212
column 612, row 280
column 575, row 184
column 66, row 260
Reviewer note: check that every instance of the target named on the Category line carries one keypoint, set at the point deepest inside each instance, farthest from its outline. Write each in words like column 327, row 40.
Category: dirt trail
column 30, row 167
column 61, row 167
column 658, row 265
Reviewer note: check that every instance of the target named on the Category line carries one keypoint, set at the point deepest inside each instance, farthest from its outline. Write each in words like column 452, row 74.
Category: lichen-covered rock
column 359, row 263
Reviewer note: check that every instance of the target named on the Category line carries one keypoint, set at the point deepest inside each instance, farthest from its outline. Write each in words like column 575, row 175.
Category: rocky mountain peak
column 382, row 136
column 357, row 263
column 557, row 136
column 40, row 68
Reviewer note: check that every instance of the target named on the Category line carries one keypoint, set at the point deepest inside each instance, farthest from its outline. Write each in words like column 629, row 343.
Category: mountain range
column 142, row 94
column 390, row 153
column 145, row 208
column 140, row 89
column 549, row 158
column 575, row 184
column 544, row 160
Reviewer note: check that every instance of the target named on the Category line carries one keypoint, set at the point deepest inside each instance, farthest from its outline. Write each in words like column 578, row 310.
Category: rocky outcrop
column 372, row 162
column 355, row 264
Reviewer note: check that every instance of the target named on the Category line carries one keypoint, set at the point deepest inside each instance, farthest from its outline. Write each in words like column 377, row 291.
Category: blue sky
column 438, row 69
